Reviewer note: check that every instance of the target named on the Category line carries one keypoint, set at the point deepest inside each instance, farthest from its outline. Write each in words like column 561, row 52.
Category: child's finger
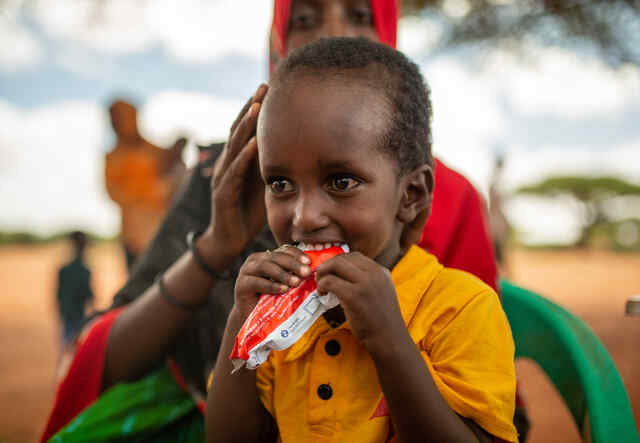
column 295, row 252
column 278, row 267
column 292, row 261
column 342, row 266
column 336, row 285
column 252, row 284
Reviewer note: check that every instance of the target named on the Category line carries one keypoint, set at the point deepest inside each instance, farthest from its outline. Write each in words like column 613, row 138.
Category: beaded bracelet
column 191, row 243
column 174, row 301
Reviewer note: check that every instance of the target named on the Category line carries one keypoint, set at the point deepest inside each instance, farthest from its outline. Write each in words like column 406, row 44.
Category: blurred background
column 536, row 102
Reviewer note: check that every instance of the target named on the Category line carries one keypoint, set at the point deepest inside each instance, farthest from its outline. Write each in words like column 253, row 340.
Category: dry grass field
column 592, row 284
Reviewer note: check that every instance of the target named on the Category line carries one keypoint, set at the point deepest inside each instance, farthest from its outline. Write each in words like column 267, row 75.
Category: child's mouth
column 319, row 246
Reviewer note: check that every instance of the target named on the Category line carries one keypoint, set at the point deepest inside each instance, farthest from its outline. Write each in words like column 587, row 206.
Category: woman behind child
column 344, row 143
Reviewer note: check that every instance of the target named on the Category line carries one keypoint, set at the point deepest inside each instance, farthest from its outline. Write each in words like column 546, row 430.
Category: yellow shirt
column 457, row 323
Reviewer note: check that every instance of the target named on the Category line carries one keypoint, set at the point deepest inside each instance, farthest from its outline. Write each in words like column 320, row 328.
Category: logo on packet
column 284, row 333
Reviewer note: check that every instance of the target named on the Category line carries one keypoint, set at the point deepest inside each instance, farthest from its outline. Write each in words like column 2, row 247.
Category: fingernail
column 294, row 281
column 260, row 91
column 284, row 288
column 305, row 270
column 304, row 259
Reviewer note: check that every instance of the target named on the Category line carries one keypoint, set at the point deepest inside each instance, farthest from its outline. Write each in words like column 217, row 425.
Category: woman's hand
column 270, row 272
column 237, row 191
column 367, row 295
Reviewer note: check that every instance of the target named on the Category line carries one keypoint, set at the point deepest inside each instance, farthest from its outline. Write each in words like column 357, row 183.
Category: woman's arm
column 147, row 330
column 234, row 411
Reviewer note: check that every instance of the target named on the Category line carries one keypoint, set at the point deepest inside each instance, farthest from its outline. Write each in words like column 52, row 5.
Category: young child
column 416, row 351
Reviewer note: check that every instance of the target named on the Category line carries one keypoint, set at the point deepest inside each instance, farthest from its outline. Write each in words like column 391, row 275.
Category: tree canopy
column 590, row 192
column 583, row 188
column 610, row 27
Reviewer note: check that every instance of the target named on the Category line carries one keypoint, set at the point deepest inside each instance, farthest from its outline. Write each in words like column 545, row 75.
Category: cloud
column 200, row 30
column 418, row 35
column 116, row 26
column 54, row 180
column 561, row 82
column 204, row 118
column 20, row 48
column 194, row 31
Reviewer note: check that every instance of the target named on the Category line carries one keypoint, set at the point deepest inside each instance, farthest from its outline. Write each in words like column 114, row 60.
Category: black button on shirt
column 325, row 392
column 332, row 347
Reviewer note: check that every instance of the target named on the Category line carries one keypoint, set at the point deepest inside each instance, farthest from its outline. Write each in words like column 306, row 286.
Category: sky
column 190, row 65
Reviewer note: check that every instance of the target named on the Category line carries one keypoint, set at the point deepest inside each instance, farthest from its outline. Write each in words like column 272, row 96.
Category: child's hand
column 367, row 295
column 270, row 272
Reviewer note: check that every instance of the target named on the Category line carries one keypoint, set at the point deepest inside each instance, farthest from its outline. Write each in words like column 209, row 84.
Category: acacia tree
column 590, row 192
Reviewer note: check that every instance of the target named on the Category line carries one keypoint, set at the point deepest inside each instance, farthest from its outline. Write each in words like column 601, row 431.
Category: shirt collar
column 411, row 277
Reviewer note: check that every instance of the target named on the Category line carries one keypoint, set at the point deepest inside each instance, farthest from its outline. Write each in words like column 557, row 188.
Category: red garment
column 457, row 231
column 82, row 383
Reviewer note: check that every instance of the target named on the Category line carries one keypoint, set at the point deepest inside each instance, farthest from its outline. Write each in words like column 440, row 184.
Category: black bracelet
column 174, row 301
column 191, row 242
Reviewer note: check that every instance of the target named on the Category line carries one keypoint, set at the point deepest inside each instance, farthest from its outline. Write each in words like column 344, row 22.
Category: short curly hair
column 383, row 69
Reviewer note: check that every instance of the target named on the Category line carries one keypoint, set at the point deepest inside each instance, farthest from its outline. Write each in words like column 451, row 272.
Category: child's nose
column 309, row 214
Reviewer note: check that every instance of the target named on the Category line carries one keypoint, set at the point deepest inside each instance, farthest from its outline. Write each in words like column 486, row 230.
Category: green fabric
column 576, row 362
column 154, row 409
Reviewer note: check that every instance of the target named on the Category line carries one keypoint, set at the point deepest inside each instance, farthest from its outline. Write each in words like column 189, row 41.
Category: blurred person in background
column 500, row 227
column 175, row 304
column 140, row 178
column 74, row 295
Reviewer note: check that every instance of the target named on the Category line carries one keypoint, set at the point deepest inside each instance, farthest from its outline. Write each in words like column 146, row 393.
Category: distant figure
column 500, row 227
column 74, row 290
column 140, row 178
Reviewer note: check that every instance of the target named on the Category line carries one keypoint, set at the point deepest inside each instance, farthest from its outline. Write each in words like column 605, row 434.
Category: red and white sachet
column 279, row 320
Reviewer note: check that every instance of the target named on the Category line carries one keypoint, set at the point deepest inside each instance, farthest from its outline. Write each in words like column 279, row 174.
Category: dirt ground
column 592, row 284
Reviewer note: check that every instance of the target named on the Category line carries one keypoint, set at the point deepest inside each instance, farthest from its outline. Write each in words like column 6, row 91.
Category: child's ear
column 415, row 204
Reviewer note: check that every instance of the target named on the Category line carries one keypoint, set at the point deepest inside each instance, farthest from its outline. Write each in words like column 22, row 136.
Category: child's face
column 314, row 19
column 326, row 181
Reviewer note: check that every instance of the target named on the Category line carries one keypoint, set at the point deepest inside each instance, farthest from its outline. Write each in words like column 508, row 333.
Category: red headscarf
column 385, row 19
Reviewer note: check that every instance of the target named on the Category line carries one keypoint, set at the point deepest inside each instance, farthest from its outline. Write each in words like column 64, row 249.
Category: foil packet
column 280, row 320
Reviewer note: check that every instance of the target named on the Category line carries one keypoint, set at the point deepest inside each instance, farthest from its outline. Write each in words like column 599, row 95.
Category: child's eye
column 280, row 186
column 342, row 183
